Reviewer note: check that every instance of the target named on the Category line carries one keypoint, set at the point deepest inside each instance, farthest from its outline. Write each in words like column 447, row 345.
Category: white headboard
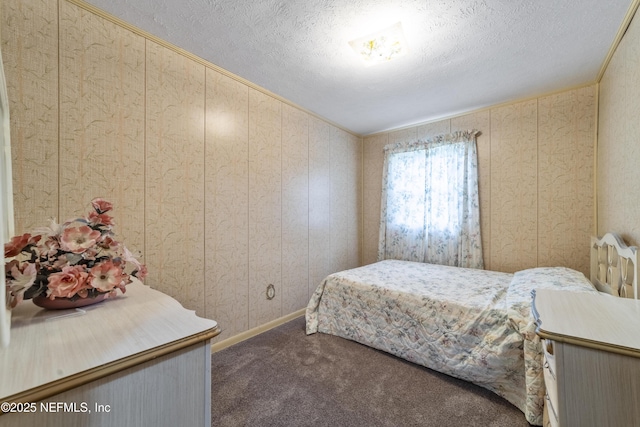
column 614, row 266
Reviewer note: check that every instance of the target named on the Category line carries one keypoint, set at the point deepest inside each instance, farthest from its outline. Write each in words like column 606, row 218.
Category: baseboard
column 255, row 331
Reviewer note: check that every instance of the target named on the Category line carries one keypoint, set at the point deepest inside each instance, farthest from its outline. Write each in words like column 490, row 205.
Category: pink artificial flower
column 58, row 263
column 127, row 256
column 101, row 206
column 142, row 272
column 22, row 278
column 70, row 281
column 100, row 218
column 9, row 265
column 18, row 243
column 90, row 254
column 53, row 230
column 50, row 247
column 79, row 239
column 109, row 244
column 106, row 276
column 126, row 279
column 141, row 269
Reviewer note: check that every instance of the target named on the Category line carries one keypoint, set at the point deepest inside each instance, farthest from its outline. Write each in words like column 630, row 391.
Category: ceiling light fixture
column 382, row 46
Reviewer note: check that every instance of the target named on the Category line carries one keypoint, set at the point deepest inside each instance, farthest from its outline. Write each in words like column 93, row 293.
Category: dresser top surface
column 50, row 345
column 595, row 318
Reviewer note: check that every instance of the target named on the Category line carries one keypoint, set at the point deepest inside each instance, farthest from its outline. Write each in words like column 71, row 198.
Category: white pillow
column 519, row 297
column 524, row 281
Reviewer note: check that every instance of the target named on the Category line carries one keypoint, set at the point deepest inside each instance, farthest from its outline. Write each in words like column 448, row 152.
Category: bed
column 475, row 325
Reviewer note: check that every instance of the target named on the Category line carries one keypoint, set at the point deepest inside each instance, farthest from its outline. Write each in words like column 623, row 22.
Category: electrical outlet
column 271, row 291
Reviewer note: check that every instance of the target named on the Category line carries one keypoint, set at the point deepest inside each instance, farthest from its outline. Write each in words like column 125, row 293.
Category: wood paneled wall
column 221, row 187
column 618, row 140
column 225, row 189
column 535, row 162
column 174, row 175
column 30, row 56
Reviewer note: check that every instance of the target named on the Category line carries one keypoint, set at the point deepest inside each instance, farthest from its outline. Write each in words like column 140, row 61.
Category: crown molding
column 616, row 41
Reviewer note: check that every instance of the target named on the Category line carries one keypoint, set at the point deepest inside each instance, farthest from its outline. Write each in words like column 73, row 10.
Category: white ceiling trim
column 619, row 35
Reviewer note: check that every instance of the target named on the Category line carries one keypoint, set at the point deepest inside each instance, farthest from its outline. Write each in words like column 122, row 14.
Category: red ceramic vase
column 65, row 303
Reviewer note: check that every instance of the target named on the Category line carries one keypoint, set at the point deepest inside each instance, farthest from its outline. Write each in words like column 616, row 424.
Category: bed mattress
column 471, row 324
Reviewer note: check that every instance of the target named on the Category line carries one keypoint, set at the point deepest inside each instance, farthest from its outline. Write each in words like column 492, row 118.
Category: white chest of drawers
column 592, row 358
column 140, row 359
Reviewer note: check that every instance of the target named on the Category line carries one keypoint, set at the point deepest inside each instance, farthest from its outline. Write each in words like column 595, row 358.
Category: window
column 430, row 210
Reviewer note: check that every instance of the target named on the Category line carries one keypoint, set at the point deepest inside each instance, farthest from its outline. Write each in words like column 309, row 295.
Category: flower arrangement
column 77, row 259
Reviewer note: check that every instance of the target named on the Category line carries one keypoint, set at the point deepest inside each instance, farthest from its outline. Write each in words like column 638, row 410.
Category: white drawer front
column 550, row 384
column 552, row 413
column 549, row 355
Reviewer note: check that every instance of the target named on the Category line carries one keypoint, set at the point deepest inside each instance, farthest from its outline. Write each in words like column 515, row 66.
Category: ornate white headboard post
column 614, row 266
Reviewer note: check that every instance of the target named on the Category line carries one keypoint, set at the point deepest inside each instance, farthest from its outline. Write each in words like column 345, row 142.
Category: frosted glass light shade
column 381, row 46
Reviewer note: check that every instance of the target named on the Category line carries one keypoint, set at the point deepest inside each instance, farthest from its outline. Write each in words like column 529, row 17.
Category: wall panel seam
column 594, row 165
column 59, row 119
column 282, row 247
column 308, row 206
column 144, row 165
column 248, row 207
column 537, row 181
column 204, row 191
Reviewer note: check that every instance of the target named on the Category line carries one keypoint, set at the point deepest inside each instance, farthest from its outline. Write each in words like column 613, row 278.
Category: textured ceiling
column 464, row 54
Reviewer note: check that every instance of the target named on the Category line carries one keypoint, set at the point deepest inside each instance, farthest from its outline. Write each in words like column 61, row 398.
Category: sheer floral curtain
column 430, row 208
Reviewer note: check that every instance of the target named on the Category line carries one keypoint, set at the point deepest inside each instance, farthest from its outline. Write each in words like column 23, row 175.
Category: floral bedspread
column 519, row 311
column 454, row 320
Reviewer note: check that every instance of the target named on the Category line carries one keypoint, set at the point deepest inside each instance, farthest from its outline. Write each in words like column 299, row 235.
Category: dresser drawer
column 549, row 356
column 550, row 418
column 548, row 370
column 550, row 384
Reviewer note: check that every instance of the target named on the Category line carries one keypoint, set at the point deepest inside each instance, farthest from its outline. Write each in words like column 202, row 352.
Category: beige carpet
column 286, row 378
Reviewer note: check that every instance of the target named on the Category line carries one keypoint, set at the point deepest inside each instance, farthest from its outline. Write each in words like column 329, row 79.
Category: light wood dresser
column 139, row 359
column 591, row 345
